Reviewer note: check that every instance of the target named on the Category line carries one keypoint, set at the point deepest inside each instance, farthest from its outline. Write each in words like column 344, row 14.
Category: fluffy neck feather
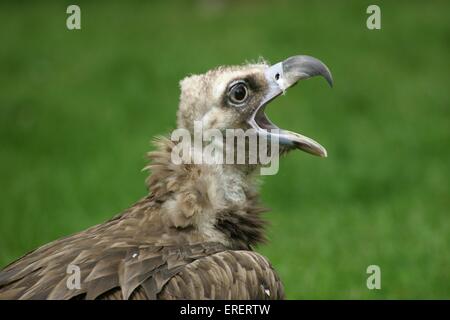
column 220, row 202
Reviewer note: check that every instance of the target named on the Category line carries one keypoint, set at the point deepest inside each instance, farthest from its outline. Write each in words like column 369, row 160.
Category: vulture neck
column 217, row 203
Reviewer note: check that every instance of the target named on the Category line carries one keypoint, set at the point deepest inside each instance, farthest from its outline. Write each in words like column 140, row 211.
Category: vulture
column 193, row 235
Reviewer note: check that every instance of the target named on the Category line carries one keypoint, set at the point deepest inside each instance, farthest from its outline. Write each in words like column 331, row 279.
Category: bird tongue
column 287, row 137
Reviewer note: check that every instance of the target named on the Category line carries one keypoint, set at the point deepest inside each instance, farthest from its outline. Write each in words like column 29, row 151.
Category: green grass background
column 78, row 109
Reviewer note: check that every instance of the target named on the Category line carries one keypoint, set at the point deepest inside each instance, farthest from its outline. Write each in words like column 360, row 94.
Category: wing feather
column 226, row 275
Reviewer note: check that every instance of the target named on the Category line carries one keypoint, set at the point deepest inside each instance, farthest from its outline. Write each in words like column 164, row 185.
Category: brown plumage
column 192, row 237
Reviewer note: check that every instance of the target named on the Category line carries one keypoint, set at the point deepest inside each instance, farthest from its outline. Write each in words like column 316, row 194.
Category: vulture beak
column 280, row 77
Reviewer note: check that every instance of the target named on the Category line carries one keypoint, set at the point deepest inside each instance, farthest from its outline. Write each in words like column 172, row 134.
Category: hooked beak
column 280, row 77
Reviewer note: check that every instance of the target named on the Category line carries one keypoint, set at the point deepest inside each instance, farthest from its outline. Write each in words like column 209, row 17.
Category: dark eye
column 238, row 93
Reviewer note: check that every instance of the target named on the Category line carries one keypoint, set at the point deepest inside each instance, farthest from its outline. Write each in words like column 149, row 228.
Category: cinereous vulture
column 193, row 235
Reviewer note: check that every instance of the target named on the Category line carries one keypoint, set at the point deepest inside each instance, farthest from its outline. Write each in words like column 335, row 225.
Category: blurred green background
column 79, row 108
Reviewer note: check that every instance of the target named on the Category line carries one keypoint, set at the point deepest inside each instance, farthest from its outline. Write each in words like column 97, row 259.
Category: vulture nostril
column 277, row 76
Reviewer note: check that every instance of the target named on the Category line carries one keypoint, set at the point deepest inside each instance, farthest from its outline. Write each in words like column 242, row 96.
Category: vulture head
column 236, row 97
column 220, row 200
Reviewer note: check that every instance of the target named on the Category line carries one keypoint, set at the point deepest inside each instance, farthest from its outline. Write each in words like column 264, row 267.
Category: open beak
column 280, row 77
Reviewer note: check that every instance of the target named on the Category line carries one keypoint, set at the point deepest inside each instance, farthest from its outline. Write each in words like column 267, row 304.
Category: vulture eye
column 238, row 93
